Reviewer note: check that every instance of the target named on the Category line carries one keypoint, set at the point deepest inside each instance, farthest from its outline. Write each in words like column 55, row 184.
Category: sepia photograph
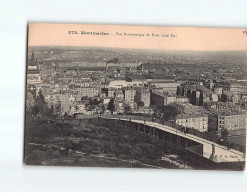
column 135, row 97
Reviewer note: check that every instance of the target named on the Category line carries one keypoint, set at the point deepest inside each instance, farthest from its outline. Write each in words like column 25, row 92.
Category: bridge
column 205, row 152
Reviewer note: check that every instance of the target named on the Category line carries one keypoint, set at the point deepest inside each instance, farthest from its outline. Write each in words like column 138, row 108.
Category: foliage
column 127, row 108
column 111, row 106
column 223, row 97
column 41, row 104
column 30, row 101
column 224, row 133
column 140, row 104
column 102, row 108
column 116, row 141
column 169, row 112
column 92, row 104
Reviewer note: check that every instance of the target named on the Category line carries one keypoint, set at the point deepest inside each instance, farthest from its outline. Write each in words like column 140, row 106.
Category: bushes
column 120, row 142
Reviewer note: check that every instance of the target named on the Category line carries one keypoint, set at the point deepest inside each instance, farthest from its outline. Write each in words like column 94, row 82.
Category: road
column 222, row 154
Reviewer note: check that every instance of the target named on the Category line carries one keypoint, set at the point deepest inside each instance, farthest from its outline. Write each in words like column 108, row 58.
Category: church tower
column 32, row 67
column 33, row 76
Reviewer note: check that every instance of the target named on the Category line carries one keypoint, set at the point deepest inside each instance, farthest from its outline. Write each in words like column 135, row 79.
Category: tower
column 197, row 97
column 33, row 76
column 106, row 66
column 32, row 67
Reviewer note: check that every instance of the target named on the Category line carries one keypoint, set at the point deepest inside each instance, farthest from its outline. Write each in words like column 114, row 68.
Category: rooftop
column 192, row 115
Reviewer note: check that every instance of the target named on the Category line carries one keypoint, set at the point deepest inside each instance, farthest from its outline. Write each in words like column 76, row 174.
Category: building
column 218, row 90
column 227, row 120
column 118, row 84
column 235, row 87
column 119, row 94
column 144, row 96
column 32, row 67
column 214, row 97
column 111, row 92
column 238, row 87
column 129, row 96
column 162, row 99
column 182, row 99
column 223, row 106
column 195, row 121
column 89, row 91
column 166, row 86
column 209, row 83
column 115, row 93
column 185, row 107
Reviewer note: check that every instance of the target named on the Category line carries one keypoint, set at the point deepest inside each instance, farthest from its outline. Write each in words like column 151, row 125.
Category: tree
column 92, row 104
column 169, row 112
column 224, row 133
column 111, row 106
column 103, row 109
column 35, row 110
column 223, row 97
column 90, row 107
column 189, row 94
column 127, row 108
column 140, row 104
column 30, row 101
column 65, row 115
column 41, row 104
column 52, row 107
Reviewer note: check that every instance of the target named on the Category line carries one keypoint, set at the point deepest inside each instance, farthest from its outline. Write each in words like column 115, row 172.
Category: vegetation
column 223, row 97
column 140, row 104
column 92, row 104
column 92, row 145
column 169, row 112
column 37, row 105
column 127, row 108
column 111, row 106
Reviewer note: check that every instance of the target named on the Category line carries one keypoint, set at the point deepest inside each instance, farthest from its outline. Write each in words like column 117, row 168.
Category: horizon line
column 138, row 48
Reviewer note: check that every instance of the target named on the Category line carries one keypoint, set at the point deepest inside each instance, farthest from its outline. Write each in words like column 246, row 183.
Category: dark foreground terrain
column 92, row 145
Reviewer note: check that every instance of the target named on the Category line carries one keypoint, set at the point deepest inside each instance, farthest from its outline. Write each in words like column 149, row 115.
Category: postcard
column 136, row 96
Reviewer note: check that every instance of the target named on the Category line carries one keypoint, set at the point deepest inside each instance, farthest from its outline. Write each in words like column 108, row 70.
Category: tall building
column 129, row 96
column 162, row 99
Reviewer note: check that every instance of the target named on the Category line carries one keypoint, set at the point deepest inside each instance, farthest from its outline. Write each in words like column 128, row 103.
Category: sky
column 154, row 37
